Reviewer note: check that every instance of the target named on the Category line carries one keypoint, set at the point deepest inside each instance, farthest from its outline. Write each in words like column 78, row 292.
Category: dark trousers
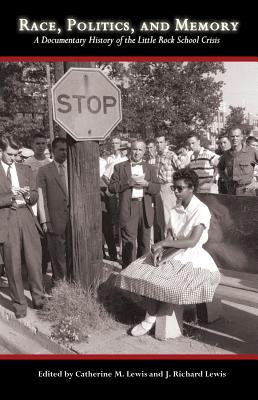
column 159, row 219
column 107, row 227
column 57, row 251
column 45, row 255
column 23, row 240
column 135, row 234
column 222, row 187
column 108, row 234
column 113, row 210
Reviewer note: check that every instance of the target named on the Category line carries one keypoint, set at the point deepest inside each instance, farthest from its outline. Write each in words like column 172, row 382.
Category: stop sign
column 86, row 104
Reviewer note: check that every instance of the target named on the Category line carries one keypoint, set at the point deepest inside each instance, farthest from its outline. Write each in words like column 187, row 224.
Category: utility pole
column 85, row 259
column 50, row 112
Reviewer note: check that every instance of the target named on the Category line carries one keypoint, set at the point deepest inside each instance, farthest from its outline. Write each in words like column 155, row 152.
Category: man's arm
column 154, row 185
column 33, row 193
column 256, row 156
column 116, row 184
column 42, row 205
column 214, row 160
column 175, row 161
column 221, row 168
column 6, row 199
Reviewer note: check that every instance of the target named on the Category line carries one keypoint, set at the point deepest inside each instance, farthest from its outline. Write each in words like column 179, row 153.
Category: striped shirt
column 204, row 164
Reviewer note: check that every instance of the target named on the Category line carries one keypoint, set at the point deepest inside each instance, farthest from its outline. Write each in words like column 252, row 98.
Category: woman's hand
column 156, row 246
column 156, row 252
column 157, row 256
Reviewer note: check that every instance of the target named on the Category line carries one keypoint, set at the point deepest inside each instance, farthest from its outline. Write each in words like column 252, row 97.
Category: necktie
column 62, row 176
column 137, row 163
column 9, row 177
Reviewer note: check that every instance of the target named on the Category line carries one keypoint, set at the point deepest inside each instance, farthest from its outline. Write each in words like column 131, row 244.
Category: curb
column 24, row 326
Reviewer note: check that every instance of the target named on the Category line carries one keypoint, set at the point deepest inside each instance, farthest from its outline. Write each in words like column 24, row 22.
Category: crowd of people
column 151, row 217
column 231, row 169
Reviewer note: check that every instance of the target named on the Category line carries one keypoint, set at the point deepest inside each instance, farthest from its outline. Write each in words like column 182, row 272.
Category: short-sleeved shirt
column 183, row 220
column 36, row 164
column 102, row 166
column 238, row 166
column 166, row 164
column 204, row 164
column 111, row 162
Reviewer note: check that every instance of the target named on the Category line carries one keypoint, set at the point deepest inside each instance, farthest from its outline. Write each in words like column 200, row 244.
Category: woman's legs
column 152, row 307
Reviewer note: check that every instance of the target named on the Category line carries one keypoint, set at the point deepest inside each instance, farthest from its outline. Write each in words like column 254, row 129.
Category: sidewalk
column 235, row 333
column 29, row 335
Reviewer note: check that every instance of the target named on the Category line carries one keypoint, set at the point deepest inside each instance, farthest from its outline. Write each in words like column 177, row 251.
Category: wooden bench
column 169, row 323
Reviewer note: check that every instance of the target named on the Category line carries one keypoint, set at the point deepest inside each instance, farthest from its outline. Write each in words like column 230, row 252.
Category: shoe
column 140, row 329
column 20, row 314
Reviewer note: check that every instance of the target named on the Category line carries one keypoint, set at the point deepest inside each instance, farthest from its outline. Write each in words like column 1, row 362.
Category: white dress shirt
column 137, row 170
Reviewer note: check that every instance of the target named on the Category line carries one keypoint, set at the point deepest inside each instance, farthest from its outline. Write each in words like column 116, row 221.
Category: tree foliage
column 171, row 97
column 23, row 100
column 168, row 97
column 236, row 118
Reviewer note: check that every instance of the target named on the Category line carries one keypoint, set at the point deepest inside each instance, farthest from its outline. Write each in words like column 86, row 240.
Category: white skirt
column 189, row 276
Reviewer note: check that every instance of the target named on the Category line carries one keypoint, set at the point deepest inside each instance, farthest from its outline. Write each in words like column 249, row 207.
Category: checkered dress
column 188, row 276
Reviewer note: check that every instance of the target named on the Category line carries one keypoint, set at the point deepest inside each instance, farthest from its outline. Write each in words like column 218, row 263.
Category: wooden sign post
column 85, row 258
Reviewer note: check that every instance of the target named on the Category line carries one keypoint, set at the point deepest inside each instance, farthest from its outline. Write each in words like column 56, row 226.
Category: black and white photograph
column 128, row 201
column 64, row 267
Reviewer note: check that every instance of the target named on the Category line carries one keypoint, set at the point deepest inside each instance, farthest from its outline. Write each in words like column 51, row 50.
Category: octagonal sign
column 86, row 104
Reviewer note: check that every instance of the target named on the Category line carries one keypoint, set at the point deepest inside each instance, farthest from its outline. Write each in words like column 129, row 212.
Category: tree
column 169, row 97
column 23, row 100
column 236, row 118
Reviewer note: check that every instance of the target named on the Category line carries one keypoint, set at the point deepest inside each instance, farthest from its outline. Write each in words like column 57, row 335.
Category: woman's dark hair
column 189, row 176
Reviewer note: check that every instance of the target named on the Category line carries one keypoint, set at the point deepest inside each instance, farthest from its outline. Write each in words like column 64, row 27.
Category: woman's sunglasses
column 178, row 188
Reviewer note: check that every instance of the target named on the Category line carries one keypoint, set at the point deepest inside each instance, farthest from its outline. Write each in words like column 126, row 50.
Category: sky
column 241, row 85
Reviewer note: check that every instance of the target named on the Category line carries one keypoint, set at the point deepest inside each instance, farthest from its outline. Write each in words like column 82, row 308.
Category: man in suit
column 54, row 211
column 136, row 182
column 19, row 230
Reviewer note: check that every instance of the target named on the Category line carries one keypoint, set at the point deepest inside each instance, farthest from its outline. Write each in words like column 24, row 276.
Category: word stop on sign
column 80, row 103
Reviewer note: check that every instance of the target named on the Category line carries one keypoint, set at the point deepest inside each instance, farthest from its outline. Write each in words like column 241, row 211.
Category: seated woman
column 178, row 270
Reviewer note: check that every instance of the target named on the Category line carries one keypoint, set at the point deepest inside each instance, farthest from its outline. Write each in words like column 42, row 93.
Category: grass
column 75, row 313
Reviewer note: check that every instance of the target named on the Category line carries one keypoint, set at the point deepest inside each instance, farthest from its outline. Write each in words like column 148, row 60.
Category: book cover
column 206, row 52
